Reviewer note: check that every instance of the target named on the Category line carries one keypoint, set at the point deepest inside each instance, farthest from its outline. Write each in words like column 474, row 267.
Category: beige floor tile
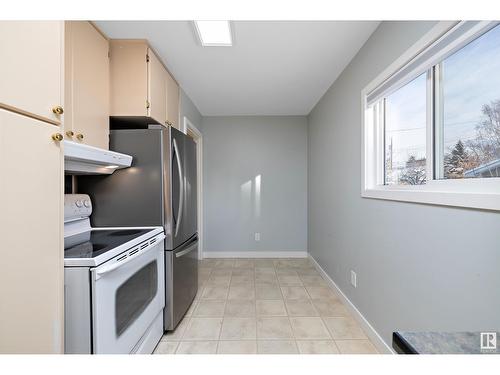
column 241, row 292
column 178, row 332
column 286, row 272
column 317, row 347
column 224, row 263
column 238, row 329
column 321, row 292
column 263, row 263
column 237, row 347
column 203, row 329
column 210, row 308
column 309, row 328
column 243, row 272
column 356, row 347
column 307, row 272
column 240, row 308
column 270, row 307
column 330, row 307
column 300, row 308
column 197, row 347
column 265, row 271
column 283, row 263
column 199, row 293
column 204, row 271
column 294, row 292
column 242, row 279
column 222, row 272
column 215, row 292
column 266, row 279
column 343, row 328
column 273, row 328
column 209, row 262
column 289, row 280
column 191, row 308
column 166, row 347
column 301, row 263
column 313, row 280
column 244, row 263
column 267, row 291
column 277, row 347
column 219, row 280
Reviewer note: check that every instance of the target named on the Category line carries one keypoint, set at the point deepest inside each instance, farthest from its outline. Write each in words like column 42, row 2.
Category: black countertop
column 446, row 342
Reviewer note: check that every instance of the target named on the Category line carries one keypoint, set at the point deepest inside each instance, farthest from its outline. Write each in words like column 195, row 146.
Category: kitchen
column 178, row 213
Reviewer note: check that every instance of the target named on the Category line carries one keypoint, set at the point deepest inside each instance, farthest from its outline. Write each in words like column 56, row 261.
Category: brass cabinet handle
column 58, row 110
column 57, row 137
column 70, row 133
column 79, row 137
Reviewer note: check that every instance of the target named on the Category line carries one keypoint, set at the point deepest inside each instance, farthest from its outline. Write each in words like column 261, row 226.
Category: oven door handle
column 186, row 251
column 99, row 271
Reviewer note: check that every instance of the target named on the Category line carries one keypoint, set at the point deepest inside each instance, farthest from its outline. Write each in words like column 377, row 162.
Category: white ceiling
column 273, row 67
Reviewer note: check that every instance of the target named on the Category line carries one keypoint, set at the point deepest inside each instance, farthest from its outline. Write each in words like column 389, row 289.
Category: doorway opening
column 193, row 132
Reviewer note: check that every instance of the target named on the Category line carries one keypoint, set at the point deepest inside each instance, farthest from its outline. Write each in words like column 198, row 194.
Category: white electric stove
column 114, row 284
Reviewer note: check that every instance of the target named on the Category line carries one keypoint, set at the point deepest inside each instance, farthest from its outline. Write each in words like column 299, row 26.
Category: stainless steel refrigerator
column 159, row 189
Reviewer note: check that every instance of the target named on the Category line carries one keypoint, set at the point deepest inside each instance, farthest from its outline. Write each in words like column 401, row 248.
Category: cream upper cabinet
column 87, row 98
column 157, row 88
column 31, row 68
column 140, row 83
column 172, row 102
column 128, row 78
column 31, row 197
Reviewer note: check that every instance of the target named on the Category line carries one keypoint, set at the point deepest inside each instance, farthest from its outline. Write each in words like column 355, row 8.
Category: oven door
column 127, row 295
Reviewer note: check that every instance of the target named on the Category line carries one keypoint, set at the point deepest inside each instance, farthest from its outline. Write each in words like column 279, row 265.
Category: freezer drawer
column 181, row 272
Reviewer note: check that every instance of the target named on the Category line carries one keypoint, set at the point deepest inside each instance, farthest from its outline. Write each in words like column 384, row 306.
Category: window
column 431, row 126
column 470, row 142
column 405, row 133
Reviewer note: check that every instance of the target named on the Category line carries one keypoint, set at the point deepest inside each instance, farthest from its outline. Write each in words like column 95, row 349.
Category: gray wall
column 419, row 267
column 236, row 151
column 188, row 109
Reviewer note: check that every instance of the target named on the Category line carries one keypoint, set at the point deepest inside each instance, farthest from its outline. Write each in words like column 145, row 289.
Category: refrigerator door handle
column 181, row 188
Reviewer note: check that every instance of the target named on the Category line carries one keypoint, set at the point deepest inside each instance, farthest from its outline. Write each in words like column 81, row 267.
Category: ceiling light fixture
column 214, row 33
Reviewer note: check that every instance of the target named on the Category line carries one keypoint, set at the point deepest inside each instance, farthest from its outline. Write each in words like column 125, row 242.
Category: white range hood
column 84, row 159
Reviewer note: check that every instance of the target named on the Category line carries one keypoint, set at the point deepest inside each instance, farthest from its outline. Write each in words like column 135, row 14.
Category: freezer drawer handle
column 184, row 252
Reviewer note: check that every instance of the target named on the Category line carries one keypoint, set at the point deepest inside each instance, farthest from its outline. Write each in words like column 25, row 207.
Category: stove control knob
column 79, row 203
column 86, row 203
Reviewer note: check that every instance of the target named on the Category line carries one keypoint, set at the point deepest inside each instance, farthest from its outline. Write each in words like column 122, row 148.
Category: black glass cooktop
column 93, row 243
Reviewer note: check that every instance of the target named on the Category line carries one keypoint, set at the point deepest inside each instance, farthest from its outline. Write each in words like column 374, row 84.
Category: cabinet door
column 87, row 84
column 129, row 78
column 31, row 67
column 31, row 197
column 172, row 101
column 157, row 88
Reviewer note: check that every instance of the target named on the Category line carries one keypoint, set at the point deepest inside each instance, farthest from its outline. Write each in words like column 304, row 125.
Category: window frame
column 444, row 39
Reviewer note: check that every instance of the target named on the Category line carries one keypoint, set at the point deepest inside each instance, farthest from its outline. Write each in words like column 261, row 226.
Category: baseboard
column 255, row 254
column 377, row 340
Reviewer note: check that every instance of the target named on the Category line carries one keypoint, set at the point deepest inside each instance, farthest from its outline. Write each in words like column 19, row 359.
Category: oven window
column 134, row 295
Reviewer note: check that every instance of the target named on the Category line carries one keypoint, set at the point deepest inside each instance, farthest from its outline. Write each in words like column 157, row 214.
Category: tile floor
column 265, row 306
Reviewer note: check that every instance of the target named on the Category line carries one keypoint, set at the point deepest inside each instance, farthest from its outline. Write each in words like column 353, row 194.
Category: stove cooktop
column 94, row 243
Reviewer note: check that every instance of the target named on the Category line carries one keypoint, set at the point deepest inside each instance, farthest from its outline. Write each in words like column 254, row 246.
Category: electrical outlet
column 257, row 236
column 354, row 281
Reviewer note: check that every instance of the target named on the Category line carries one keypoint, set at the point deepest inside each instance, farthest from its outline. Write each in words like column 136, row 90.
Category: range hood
column 83, row 159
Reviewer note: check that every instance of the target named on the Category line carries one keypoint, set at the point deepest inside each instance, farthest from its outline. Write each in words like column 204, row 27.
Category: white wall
column 419, row 267
column 238, row 152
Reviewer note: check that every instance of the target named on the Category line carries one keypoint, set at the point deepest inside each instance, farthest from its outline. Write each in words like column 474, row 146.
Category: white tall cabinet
column 31, row 187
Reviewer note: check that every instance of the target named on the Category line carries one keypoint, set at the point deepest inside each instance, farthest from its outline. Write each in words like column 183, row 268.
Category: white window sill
column 453, row 194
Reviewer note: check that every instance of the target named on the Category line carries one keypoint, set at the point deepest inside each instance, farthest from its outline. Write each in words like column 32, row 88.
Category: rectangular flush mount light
column 214, row 33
